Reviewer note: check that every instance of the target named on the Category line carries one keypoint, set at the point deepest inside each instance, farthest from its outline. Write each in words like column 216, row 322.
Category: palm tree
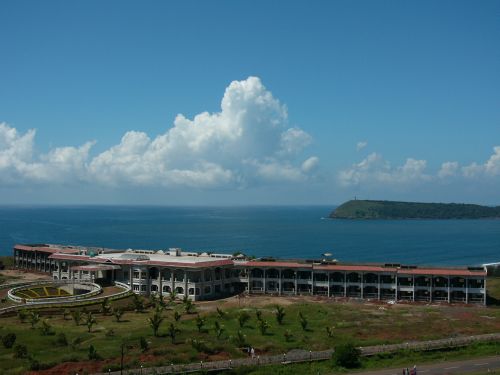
column 155, row 322
column 280, row 314
column 263, row 326
column 172, row 332
column 90, row 321
column 34, row 318
column 219, row 329
column 173, row 296
column 200, row 322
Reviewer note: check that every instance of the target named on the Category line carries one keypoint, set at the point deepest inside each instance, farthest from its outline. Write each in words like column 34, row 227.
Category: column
column 160, row 285
column 484, row 290
column 449, row 290
column 397, row 286
column 466, row 290
column 296, row 281
column 312, row 280
column 249, row 273
column 279, row 282
column 59, row 270
column 413, row 296
column 378, row 286
column 345, row 284
column 186, row 283
column 172, row 280
column 328, row 285
column 431, row 282
column 131, row 277
column 362, row 285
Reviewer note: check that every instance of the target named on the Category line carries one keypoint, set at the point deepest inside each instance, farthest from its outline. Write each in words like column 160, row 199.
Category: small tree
column 155, row 322
column 200, row 322
column 66, row 313
column 138, row 303
column 288, row 335
column 34, row 318
column 240, row 339
column 263, row 326
column 258, row 315
column 118, row 313
column 219, row 329
column 8, row 340
column 221, row 313
column 177, row 315
column 20, row 351
column 198, row 345
column 46, row 328
column 347, row 355
column 22, row 315
column 280, row 314
column 77, row 316
column 90, row 321
column 61, row 339
column 143, row 344
column 189, row 306
column 243, row 318
column 303, row 321
column 329, row 331
column 172, row 332
column 172, row 297
column 105, row 306
column 92, row 353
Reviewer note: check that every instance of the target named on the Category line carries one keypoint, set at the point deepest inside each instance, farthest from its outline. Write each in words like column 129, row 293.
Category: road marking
column 449, row 368
column 480, row 364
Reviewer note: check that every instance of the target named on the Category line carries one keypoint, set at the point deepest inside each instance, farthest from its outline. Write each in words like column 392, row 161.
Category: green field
column 362, row 324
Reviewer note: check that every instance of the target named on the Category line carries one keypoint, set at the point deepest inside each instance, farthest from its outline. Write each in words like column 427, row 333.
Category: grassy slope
column 366, row 209
column 365, row 325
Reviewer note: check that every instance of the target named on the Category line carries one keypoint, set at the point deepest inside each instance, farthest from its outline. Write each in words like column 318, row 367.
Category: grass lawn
column 361, row 323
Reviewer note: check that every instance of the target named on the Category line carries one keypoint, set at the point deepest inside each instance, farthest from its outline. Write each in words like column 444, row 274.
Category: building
column 211, row 276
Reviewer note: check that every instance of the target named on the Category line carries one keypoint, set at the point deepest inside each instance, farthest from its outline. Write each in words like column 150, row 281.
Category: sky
column 249, row 103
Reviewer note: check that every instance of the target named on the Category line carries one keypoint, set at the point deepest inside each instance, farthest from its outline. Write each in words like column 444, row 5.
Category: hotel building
column 211, row 276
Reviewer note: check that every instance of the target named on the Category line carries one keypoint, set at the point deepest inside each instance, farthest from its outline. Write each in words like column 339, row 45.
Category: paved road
column 449, row 368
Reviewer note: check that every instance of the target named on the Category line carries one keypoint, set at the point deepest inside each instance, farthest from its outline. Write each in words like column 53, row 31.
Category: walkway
column 448, row 368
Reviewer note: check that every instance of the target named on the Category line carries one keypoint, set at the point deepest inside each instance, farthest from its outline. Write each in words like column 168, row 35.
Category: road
column 447, row 368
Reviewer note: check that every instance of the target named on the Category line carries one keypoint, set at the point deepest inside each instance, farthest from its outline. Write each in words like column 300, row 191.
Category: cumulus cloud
column 375, row 170
column 361, row 145
column 448, row 169
column 246, row 142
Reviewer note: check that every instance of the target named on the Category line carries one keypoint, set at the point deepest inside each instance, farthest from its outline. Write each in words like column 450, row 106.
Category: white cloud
column 361, row 145
column 247, row 141
column 375, row 170
column 448, row 169
column 491, row 168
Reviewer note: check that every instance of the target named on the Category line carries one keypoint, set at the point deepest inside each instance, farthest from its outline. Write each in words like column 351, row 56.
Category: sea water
column 281, row 232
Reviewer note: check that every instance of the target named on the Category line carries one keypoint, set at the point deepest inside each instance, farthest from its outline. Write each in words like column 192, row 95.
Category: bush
column 34, row 364
column 347, row 355
column 8, row 340
column 20, row 351
column 93, row 355
column 61, row 339
column 144, row 344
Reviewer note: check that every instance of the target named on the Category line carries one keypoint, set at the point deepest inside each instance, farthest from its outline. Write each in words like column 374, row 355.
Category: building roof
column 51, row 249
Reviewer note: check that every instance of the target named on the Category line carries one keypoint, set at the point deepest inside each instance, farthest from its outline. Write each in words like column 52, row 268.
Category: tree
column 303, row 321
column 240, row 339
column 143, row 344
column 329, row 331
column 77, row 316
column 155, row 322
column 221, row 313
column 92, row 353
column 200, row 322
column 8, row 340
column 263, row 326
column 61, row 339
column 188, row 306
column 219, row 329
column 172, row 332
column 172, row 297
column 347, row 355
column 138, row 303
column 20, row 351
column 105, row 306
column 118, row 313
column 280, row 314
column 177, row 316
column 258, row 315
column 243, row 318
column 22, row 315
column 46, row 328
column 198, row 345
column 90, row 321
column 34, row 318
column 288, row 335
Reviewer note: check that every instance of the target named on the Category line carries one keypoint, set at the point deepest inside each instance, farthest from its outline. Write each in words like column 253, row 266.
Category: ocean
column 281, row 232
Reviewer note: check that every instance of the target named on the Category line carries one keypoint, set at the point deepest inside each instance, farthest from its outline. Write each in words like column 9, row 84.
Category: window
column 179, row 290
column 207, row 290
column 197, row 290
column 143, row 288
column 166, row 289
column 154, row 288
column 136, row 274
column 191, row 291
column 136, row 288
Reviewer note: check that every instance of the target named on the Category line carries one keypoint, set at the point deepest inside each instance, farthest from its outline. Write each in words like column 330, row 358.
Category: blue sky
column 415, row 84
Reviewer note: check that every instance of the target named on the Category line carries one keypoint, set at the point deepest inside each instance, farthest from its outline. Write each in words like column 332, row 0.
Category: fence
column 307, row 356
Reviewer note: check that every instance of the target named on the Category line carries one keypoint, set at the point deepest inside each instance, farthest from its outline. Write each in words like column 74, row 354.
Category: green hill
column 366, row 209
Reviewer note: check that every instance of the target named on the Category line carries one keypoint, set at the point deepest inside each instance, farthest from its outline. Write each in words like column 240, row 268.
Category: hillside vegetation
column 367, row 209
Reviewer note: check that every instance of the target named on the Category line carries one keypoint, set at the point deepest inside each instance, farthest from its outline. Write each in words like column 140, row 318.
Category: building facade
column 211, row 276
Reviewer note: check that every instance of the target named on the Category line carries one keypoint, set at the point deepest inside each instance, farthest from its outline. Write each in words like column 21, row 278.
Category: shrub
column 20, row 351
column 243, row 318
column 288, row 335
column 110, row 332
column 177, row 316
column 61, row 339
column 240, row 339
column 221, row 313
column 34, row 318
column 263, row 326
column 258, row 315
column 77, row 316
column 155, row 322
column 34, row 364
column 8, row 340
column 22, row 315
column 46, row 328
column 90, row 321
column 92, row 353
column 347, row 355
column 303, row 321
column 219, row 329
column 143, row 344
column 329, row 331
column 280, row 314
column 200, row 322
column 118, row 313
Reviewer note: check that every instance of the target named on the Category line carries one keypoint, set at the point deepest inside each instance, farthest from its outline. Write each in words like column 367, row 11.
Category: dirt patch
column 18, row 276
